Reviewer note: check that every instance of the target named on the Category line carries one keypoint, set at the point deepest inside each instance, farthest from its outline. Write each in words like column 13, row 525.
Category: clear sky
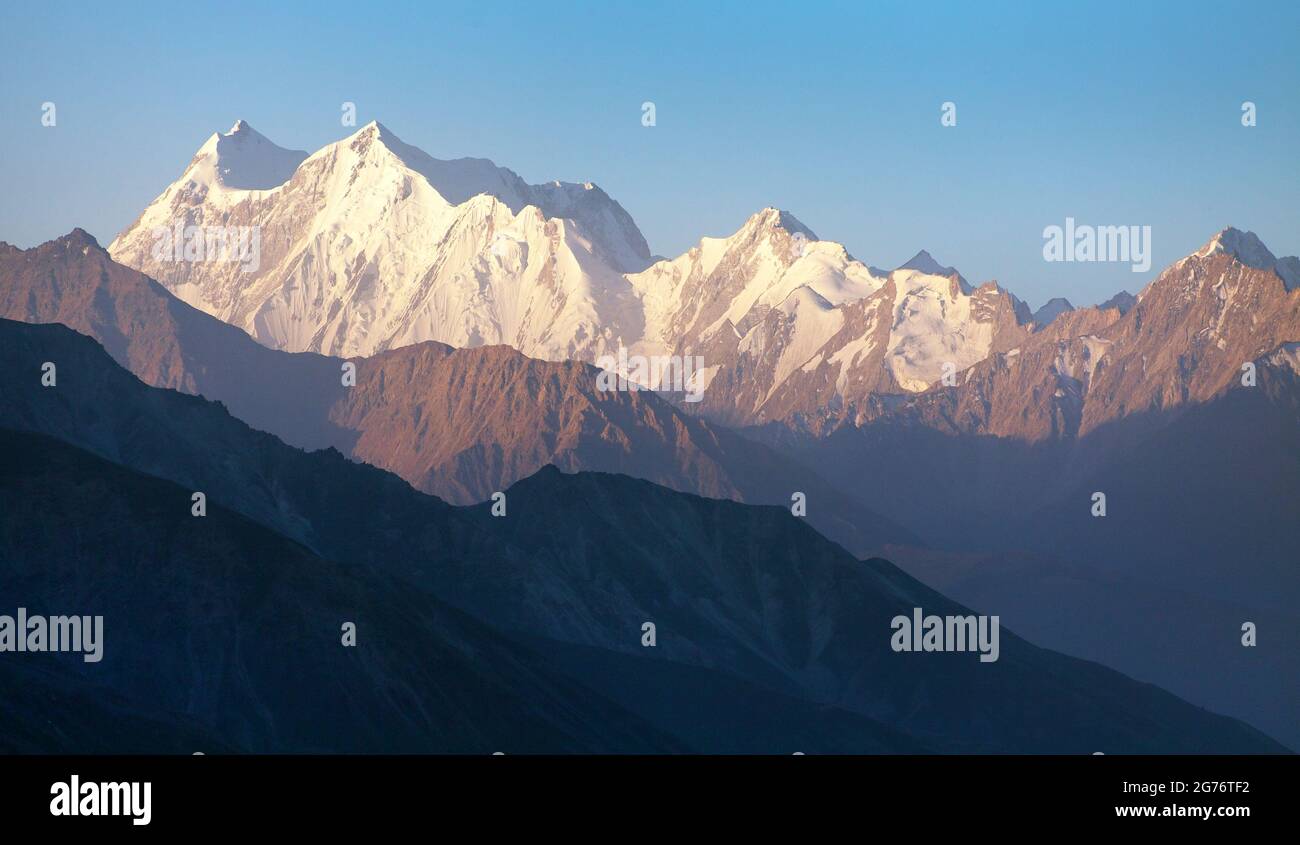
column 1110, row 113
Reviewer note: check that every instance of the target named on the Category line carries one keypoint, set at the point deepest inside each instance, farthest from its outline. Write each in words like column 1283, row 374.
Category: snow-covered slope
column 923, row 262
column 790, row 326
column 241, row 160
column 370, row 243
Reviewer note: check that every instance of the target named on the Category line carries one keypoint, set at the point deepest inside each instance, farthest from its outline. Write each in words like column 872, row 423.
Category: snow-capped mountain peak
column 924, row 262
column 1246, row 247
column 786, row 323
column 457, row 181
column 775, row 218
column 242, row 160
column 371, row 243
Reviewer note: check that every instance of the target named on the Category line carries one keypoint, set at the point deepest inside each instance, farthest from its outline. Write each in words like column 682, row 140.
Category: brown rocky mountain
column 460, row 424
column 1183, row 341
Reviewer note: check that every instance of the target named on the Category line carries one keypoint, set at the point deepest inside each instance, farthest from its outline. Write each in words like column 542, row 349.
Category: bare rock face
column 1121, row 301
column 1052, row 309
column 1194, row 328
column 793, row 332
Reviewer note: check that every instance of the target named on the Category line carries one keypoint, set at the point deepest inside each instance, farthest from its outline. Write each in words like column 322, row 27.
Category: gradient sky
column 1111, row 113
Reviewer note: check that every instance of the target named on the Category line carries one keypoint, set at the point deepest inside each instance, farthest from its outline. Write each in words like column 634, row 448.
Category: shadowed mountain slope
column 218, row 622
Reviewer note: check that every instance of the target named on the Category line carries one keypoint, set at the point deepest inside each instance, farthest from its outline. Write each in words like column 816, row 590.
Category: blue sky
column 1111, row 113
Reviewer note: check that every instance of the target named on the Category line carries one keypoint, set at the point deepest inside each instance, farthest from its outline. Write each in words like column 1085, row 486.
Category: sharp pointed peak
column 77, row 240
column 772, row 217
column 1245, row 246
column 79, row 237
column 376, row 136
column 924, row 262
column 1122, row 301
column 375, row 129
column 804, row 295
column 243, row 159
column 241, row 131
column 1051, row 309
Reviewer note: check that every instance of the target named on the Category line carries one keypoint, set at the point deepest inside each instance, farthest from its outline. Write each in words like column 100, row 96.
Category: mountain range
column 370, row 244
column 943, row 425
column 458, row 423
column 1183, row 412
column 235, row 612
